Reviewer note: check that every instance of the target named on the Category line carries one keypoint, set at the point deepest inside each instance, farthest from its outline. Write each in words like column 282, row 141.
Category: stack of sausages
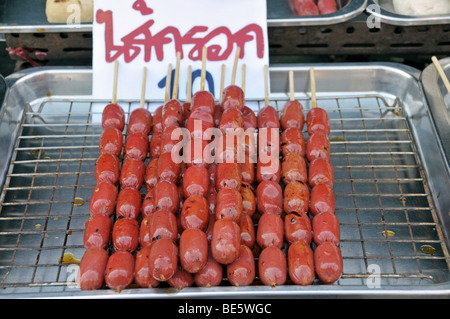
column 312, row 7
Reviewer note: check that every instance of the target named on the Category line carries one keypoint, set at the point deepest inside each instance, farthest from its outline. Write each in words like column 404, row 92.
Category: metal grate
column 388, row 223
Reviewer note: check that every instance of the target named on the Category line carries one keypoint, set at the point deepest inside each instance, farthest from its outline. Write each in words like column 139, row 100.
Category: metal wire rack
column 389, row 227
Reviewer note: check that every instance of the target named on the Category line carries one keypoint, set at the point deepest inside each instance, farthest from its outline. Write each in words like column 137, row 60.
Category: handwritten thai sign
column 149, row 33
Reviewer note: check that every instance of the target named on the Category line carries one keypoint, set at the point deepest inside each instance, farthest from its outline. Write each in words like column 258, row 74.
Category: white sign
column 149, row 33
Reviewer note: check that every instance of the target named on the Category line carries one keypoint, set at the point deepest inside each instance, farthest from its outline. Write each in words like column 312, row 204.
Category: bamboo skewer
column 168, row 83
column 203, row 74
column 313, row 88
column 244, row 70
column 222, row 82
column 236, row 60
column 177, row 76
column 144, row 84
column 116, row 76
column 266, row 85
column 189, row 85
column 441, row 73
column 291, row 86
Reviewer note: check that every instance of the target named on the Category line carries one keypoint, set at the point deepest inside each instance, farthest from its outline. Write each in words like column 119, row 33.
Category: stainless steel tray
column 26, row 16
column 390, row 179
column 388, row 15
column 439, row 101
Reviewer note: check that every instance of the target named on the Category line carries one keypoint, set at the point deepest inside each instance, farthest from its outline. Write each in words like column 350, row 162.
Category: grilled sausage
column 157, row 120
column 231, row 120
column 113, row 115
column 140, row 121
column 170, row 137
column 292, row 115
column 228, row 176
column 233, row 97
column 148, row 204
column 167, row 169
column 103, row 199
column 272, row 266
column 269, row 197
column 204, row 101
column 293, row 168
column 163, row 259
column 326, row 228
column 328, row 262
column 129, row 203
column 181, row 279
column 318, row 145
column 229, row 204
column 151, row 174
column 97, row 231
column 241, row 272
column 248, row 199
column 196, row 181
column 193, row 250
column 268, row 117
column 160, row 224
column 211, row 274
column 125, row 234
column 198, row 122
column 107, row 169
column 225, row 241
column 119, row 270
column 166, row 196
column 111, row 141
column 132, row 174
column 142, row 275
column 296, row 197
column 297, row 226
column 195, row 213
column 247, row 170
column 320, row 172
column 322, row 199
column 250, row 119
column 270, row 231
column 318, row 120
column 172, row 114
column 327, row 6
column 268, row 170
column 155, row 144
column 247, row 231
column 136, row 146
column 91, row 275
column 293, row 141
column 301, row 263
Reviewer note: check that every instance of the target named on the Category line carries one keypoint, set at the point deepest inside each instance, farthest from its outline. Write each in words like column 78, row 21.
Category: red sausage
column 203, row 100
column 250, row 119
column 297, row 226
column 292, row 115
column 247, row 231
column 142, row 275
column 268, row 117
column 272, row 266
column 305, row 8
column 327, row 6
column 170, row 137
column 91, row 274
column 318, row 120
column 132, row 174
column 211, row 274
column 119, row 270
column 322, row 199
column 217, row 114
column 318, row 145
column 293, row 168
column 212, row 199
column 269, row 141
column 167, row 169
column 166, row 196
column 228, row 176
column 163, row 259
column 328, row 262
column 247, row 170
column 193, row 250
column 195, row 213
column 198, row 122
column 229, row 204
column 97, row 232
column 103, row 199
column 113, row 115
column 268, row 170
column 293, row 141
column 125, row 234
column 157, row 120
column 148, row 204
column 107, row 169
column 181, row 279
column 140, row 121
column 136, row 146
column 270, row 231
column 296, row 197
column 269, row 197
column 225, row 241
column 160, row 224
column 172, row 114
column 320, row 172
column 326, row 228
column 151, row 174
column 233, row 97
column 301, row 263
column 248, row 200
column 242, row 271
column 210, row 228
column 196, row 181
column 129, row 203
column 197, row 153
column 231, row 120
column 111, row 141
column 155, row 144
